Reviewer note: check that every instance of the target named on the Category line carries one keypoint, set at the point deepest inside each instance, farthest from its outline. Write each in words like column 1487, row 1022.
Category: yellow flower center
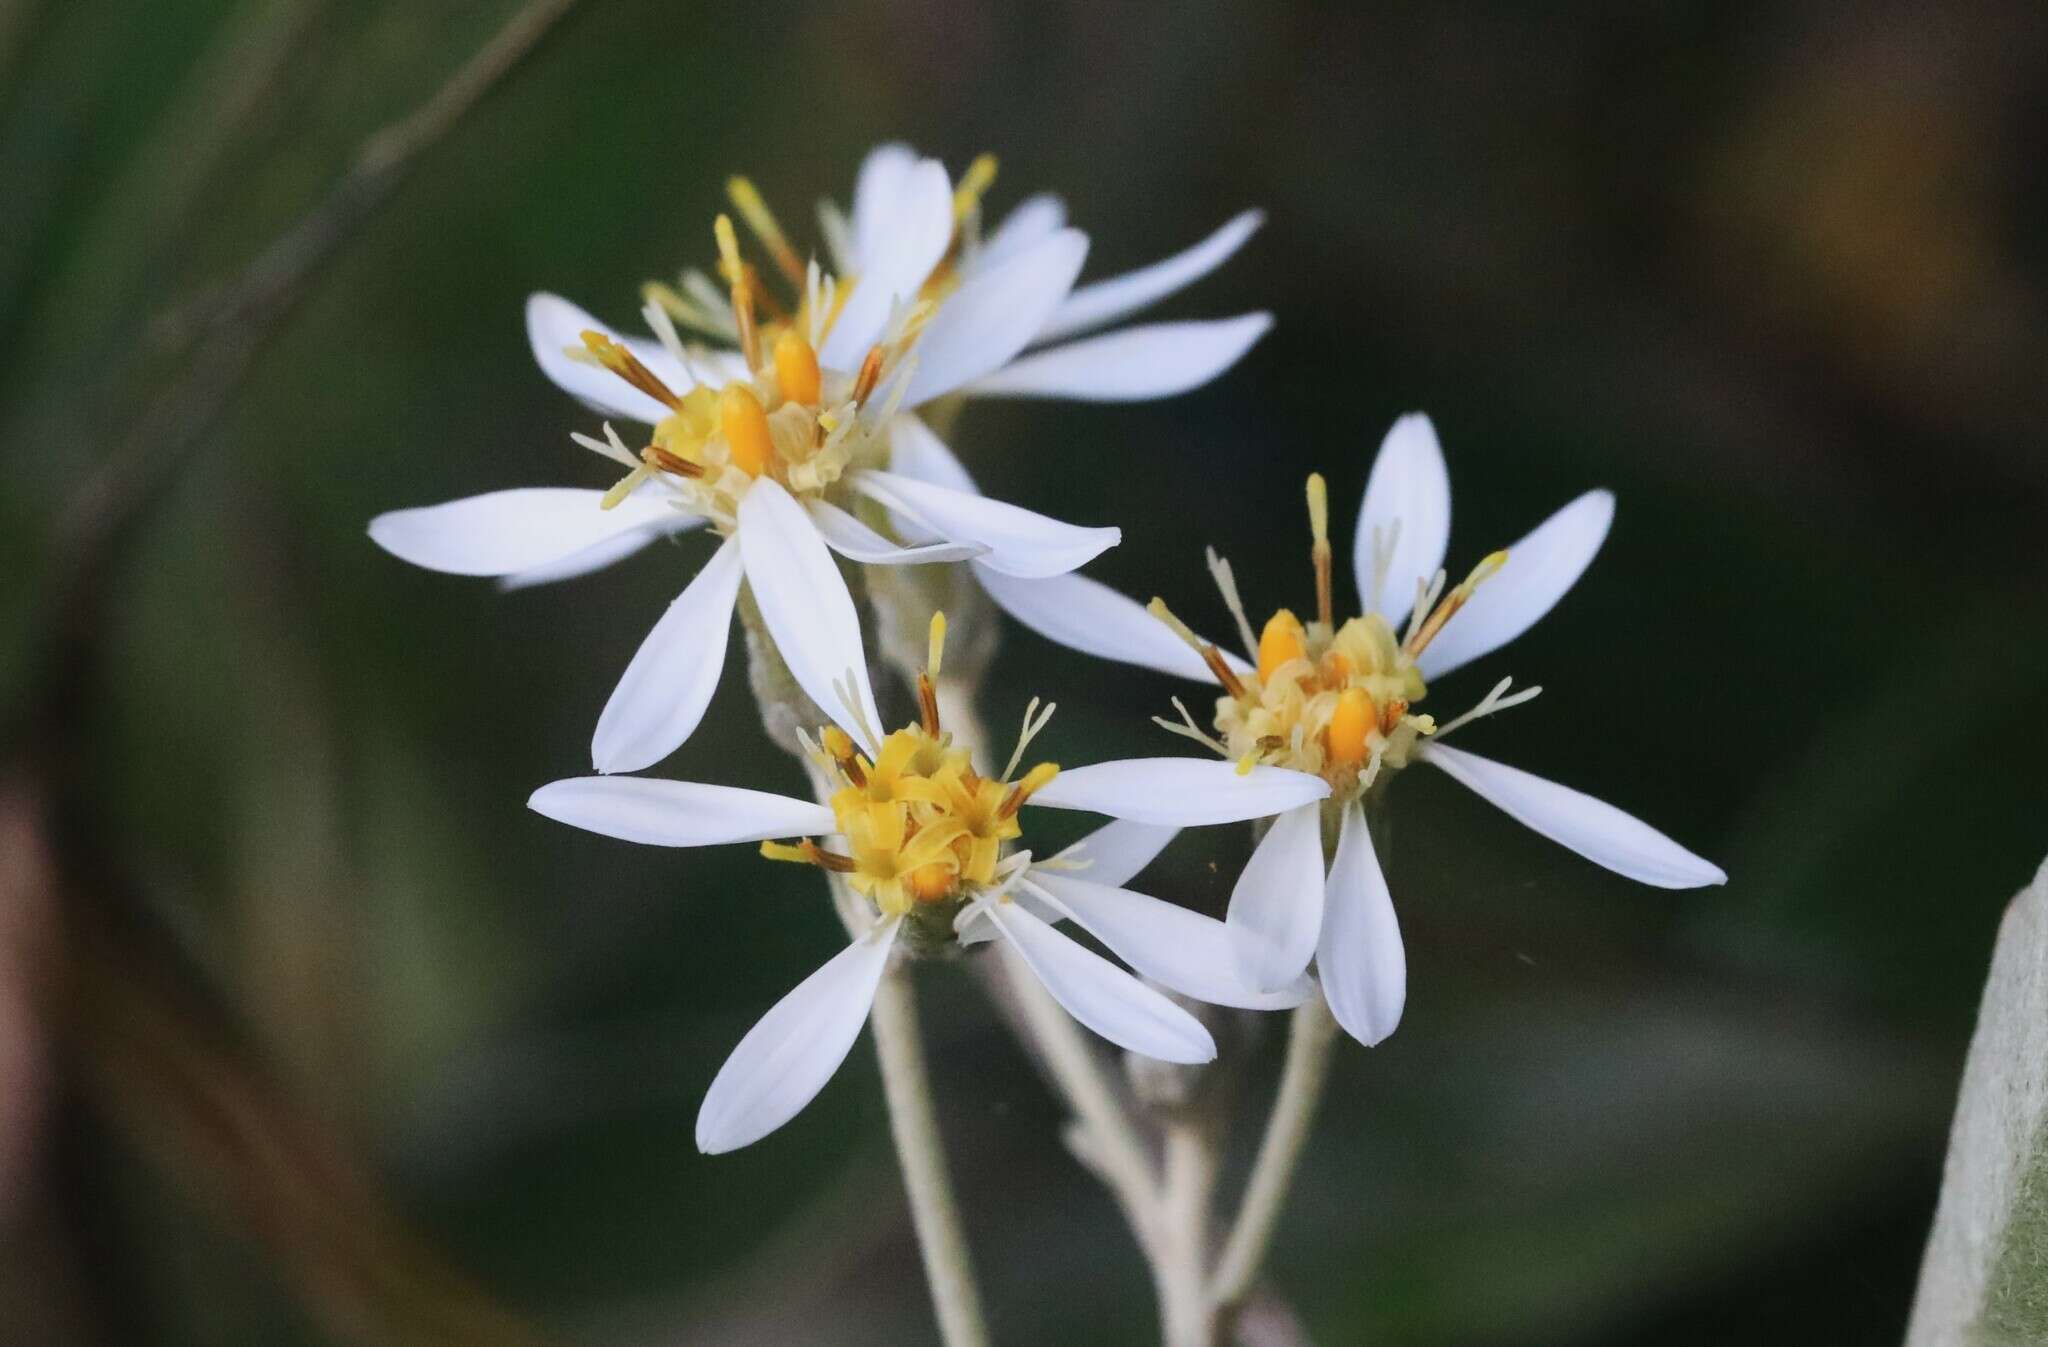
column 1334, row 700
column 922, row 826
column 788, row 418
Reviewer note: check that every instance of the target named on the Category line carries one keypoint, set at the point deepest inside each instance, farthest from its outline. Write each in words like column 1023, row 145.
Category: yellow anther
column 747, row 200
column 796, row 368
column 729, row 264
column 1351, row 725
column 837, row 742
column 745, row 427
column 740, row 279
column 1247, row 762
column 935, row 644
column 783, row 851
column 1209, row 653
column 931, row 883
column 1032, row 782
column 620, row 360
column 980, row 175
column 870, row 375
column 1282, row 640
column 1489, row 565
column 1318, row 508
column 1319, row 554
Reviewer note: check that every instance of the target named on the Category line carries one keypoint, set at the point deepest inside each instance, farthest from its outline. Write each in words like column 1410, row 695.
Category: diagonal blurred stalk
column 253, row 308
column 1311, row 1034
column 155, row 1050
column 149, row 210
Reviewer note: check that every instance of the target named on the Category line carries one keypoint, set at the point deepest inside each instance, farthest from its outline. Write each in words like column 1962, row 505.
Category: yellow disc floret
column 796, row 368
column 923, row 827
column 745, row 427
column 1282, row 642
column 1328, row 698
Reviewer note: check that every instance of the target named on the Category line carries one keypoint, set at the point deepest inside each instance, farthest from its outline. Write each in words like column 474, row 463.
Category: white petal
column 1100, row 995
column 993, row 314
column 1363, row 968
column 506, row 532
column 554, row 326
column 1596, row 830
column 805, row 604
column 1276, row 909
column 1195, row 955
column 914, row 451
column 917, row 453
column 854, row 540
column 1106, row 301
column 1018, row 541
column 1033, row 219
column 1114, row 853
column 1088, row 616
column 877, row 190
column 1181, row 792
column 663, row 813
column 1407, row 501
column 1156, row 360
column 599, row 555
column 787, row 1057
column 1539, row 569
column 662, row 695
column 909, row 235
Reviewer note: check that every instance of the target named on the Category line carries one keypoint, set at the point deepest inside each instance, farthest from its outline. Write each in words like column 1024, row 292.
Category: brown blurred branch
column 148, row 1042
column 240, row 322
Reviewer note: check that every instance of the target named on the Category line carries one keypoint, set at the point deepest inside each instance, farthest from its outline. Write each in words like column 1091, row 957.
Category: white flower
column 772, row 440
column 1338, row 700
column 927, row 842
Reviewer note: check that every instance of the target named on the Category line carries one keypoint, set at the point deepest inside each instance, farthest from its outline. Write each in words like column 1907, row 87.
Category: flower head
column 932, row 847
column 1339, row 699
column 801, row 418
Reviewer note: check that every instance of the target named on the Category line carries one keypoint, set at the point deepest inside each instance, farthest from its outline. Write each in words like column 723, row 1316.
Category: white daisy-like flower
column 810, row 410
column 931, row 846
column 1339, row 701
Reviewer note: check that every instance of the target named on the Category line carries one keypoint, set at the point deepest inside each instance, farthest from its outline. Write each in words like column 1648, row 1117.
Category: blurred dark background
column 1776, row 274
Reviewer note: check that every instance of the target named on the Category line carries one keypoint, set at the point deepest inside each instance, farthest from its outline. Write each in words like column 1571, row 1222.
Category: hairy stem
column 1181, row 1264
column 1311, row 1035
column 1103, row 1136
column 941, row 1239
column 906, row 1081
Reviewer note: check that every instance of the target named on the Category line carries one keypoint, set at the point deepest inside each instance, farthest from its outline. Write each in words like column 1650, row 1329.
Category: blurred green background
column 1776, row 274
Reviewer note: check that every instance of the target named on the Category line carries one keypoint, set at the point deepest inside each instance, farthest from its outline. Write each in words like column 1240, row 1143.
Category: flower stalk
column 914, row 1126
column 1312, row 1033
column 899, row 1047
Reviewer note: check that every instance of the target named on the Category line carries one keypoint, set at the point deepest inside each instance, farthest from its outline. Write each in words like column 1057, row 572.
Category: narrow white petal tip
column 1593, row 828
column 1359, row 954
column 1131, row 364
column 522, row 531
column 1276, row 907
column 788, row 1056
column 676, row 813
column 1541, row 569
column 1013, row 540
